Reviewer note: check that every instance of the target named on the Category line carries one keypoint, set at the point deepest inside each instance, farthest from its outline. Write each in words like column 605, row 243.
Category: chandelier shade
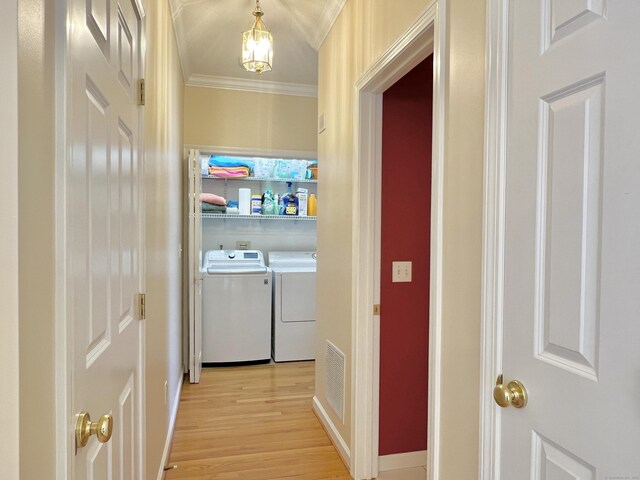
column 257, row 45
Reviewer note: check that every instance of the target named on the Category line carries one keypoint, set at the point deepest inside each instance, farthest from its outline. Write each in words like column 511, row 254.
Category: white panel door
column 104, row 213
column 572, row 240
column 195, row 259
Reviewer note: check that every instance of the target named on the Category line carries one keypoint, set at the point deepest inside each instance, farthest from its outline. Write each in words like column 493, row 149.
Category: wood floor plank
column 253, row 423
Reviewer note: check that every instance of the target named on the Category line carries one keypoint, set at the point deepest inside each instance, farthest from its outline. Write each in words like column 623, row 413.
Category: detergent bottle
column 269, row 205
column 290, row 202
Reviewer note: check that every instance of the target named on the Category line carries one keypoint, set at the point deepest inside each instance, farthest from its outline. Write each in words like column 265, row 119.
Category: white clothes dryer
column 294, row 305
column 236, row 307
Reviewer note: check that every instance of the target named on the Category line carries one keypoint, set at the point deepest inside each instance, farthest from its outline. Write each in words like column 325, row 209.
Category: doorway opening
column 404, row 276
column 423, row 39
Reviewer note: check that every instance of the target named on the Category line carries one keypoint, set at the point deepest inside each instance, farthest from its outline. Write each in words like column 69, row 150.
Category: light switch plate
column 321, row 125
column 401, row 272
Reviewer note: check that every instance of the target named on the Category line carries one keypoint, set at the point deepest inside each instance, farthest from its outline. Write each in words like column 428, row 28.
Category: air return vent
column 335, row 379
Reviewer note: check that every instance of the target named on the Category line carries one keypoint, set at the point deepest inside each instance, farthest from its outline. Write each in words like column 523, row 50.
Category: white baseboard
column 332, row 431
column 172, row 425
column 403, row 460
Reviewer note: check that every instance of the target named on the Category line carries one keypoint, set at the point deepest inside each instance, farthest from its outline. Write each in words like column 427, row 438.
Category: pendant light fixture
column 257, row 45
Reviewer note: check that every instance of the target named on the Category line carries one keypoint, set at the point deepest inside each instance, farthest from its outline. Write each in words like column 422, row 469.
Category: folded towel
column 213, row 168
column 209, row 208
column 229, row 172
column 213, row 199
column 221, row 161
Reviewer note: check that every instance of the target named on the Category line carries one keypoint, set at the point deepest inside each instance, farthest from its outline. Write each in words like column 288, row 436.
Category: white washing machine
column 294, row 305
column 236, row 307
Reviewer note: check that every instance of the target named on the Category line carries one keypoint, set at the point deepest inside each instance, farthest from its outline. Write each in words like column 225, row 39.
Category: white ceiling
column 209, row 36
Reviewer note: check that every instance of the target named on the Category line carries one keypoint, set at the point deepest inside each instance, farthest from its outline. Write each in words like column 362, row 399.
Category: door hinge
column 376, row 309
column 142, row 313
column 141, row 92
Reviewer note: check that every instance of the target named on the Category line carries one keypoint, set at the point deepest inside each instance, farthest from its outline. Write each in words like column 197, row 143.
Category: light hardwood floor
column 252, row 423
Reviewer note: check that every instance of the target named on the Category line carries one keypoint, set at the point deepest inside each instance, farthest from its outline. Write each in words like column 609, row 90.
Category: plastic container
column 256, row 205
column 269, row 206
column 312, row 206
column 302, row 195
column 244, row 201
column 314, row 171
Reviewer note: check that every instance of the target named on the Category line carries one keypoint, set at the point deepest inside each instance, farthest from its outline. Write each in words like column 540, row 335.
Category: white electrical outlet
column 243, row 245
column 401, row 272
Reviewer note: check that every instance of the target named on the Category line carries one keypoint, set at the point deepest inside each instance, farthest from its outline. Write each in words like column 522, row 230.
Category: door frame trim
column 63, row 343
column 426, row 36
column 138, row 6
column 493, row 234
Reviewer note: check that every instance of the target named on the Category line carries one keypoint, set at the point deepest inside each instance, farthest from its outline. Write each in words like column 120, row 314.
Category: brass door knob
column 513, row 393
column 102, row 429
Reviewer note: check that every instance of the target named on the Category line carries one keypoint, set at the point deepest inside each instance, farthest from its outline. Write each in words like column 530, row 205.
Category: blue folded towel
column 220, row 161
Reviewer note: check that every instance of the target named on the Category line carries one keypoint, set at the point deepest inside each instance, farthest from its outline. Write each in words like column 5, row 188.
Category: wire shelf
column 264, row 179
column 230, row 216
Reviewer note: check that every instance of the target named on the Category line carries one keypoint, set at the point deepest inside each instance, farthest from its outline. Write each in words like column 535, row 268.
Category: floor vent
column 335, row 379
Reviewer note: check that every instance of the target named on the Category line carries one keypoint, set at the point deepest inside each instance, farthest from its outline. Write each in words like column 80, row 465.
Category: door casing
column 493, row 233
column 425, row 37
column 9, row 309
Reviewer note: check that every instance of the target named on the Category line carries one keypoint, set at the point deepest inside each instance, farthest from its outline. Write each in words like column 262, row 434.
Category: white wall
column 264, row 235
column 9, row 372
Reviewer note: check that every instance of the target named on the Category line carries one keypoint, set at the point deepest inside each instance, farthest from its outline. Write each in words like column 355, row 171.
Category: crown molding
column 330, row 13
column 245, row 85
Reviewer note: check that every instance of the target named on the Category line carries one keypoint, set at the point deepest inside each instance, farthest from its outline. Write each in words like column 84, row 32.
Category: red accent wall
column 405, row 236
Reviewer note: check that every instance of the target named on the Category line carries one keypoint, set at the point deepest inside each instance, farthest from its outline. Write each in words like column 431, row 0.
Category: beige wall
column 9, row 326
column 163, row 191
column 232, row 118
column 36, row 237
column 336, row 78
column 349, row 50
